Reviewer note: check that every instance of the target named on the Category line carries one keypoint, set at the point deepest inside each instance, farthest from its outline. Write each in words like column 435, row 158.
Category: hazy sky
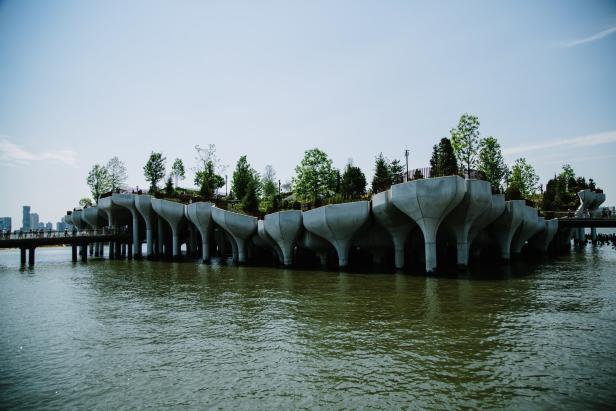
column 82, row 81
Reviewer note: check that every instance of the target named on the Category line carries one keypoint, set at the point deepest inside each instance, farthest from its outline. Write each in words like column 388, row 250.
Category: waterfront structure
column 5, row 224
column 442, row 216
column 25, row 225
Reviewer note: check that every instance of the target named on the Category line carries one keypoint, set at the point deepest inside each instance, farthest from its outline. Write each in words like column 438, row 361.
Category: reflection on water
column 131, row 334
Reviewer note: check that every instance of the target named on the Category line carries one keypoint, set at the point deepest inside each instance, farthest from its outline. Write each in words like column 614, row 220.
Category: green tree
column 169, row 186
column 443, row 161
column 208, row 171
column 353, row 184
column 417, row 175
column 522, row 179
column 208, row 181
column 465, row 141
column 154, row 170
column 117, row 173
column 567, row 177
column 85, row 202
column 315, row 177
column 269, row 199
column 177, row 170
column 242, row 176
column 250, row 201
column 382, row 174
column 491, row 163
column 396, row 171
column 98, row 181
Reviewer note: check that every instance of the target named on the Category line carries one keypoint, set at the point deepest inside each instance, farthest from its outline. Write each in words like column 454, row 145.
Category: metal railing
column 34, row 234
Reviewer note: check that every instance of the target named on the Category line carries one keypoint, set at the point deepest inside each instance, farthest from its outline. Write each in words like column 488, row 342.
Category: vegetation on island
column 317, row 182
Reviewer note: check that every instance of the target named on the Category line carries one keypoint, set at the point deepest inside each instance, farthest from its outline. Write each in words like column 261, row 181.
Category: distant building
column 5, row 224
column 41, row 226
column 61, row 226
column 34, row 221
column 25, row 225
column 48, row 226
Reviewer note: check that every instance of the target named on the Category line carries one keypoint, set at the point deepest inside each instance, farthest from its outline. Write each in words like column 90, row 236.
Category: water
column 137, row 334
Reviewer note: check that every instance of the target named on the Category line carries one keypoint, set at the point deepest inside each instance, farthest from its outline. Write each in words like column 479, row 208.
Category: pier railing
column 48, row 234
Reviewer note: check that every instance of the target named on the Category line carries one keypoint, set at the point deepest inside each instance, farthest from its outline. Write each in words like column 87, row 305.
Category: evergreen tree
column 242, row 176
column 353, row 183
column 269, row 198
column 382, row 174
column 169, row 186
column 250, row 201
column 417, row 175
column 443, row 161
column 396, row 172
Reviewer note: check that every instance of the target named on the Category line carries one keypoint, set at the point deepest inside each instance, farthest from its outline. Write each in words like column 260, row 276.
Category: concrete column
column 31, row 256
column 593, row 234
column 74, row 252
column 22, row 252
column 428, row 202
column 284, row 227
column 239, row 226
column 84, row 252
column 160, row 237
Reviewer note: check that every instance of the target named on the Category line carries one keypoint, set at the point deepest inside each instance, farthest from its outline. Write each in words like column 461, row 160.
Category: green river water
column 139, row 334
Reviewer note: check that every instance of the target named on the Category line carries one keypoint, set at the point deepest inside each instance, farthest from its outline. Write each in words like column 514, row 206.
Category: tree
column 353, row 184
column 209, row 171
column 98, row 180
column 269, row 199
column 242, row 175
column 85, row 202
column 491, row 163
column 208, row 181
column 417, row 175
column 169, row 186
column 250, row 201
column 523, row 178
column 154, row 170
column 117, row 173
column 315, row 178
column 396, row 170
column 567, row 177
column 443, row 161
column 382, row 174
column 177, row 170
column 465, row 141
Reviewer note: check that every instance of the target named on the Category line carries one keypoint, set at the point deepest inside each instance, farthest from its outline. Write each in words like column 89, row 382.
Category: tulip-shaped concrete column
column 173, row 214
column 497, row 207
column 264, row 240
column 143, row 204
column 128, row 201
column 239, row 226
column 397, row 224
column 338, row 223
column 541, row 241
column 528, row 228
column 317, row 244
column 78, row 221
column 587, row 199
column 428, row 202
column 284, row 227
column 596, row 213
column 200, row 214
column 476, row 202
column 504, row 227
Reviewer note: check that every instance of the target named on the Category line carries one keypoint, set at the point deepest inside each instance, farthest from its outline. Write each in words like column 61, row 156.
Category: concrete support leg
column 175, row 241
column 136, row 243
column 593, row 234
column 322, row 258
column 462, row 253
column 31, row 256
column 91, row 249
column 342, row 249
column 399, row 251
column 130, row 254
column 123, row 250
column 430, row 252
column 111, row 250
column 84, row 253
column 148, row 239
column 74, row 252
column 160, row 240
column 205, row 247
column 22, row 252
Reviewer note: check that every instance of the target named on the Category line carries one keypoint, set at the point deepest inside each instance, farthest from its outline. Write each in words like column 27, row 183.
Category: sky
column 83, row 81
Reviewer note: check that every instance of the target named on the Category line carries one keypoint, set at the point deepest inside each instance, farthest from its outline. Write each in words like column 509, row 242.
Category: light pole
column 406, row 155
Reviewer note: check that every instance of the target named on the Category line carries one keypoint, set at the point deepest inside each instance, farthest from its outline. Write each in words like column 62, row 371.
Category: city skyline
column 271, row 81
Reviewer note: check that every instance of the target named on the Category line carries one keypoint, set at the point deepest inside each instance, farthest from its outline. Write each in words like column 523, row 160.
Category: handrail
column 103, row 231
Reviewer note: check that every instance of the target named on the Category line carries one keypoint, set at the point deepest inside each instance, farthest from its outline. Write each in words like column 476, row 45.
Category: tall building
column 5, row 224
column 61, row 226
column 48, row 226
column 25, row 225
column 34, row 221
